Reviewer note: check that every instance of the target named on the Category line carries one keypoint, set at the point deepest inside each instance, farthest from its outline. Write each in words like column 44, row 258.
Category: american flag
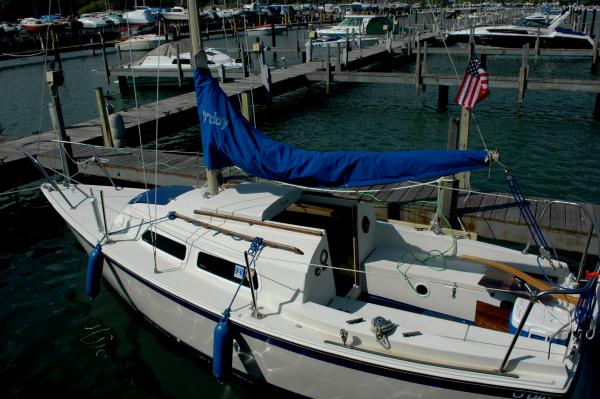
column 474, row 86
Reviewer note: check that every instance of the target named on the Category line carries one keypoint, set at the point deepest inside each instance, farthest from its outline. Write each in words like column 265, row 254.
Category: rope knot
column 255, row 246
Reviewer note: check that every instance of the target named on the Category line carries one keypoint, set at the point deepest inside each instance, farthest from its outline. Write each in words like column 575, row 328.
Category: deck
column 490, row 215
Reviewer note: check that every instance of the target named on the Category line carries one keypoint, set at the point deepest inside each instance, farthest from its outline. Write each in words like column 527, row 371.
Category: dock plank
column 487, row 206
column 397, row 194
column 500, row 208
column 411, row 194
column 543, row 220
column 513, row 212
column 586, row 221
column 573, row 219
column 472, row 205
column 558, row 218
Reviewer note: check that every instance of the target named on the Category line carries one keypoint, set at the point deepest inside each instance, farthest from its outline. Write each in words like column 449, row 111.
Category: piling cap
column 55, row 78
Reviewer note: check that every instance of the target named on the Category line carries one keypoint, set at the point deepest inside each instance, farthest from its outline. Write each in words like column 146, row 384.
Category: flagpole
column 465, row 126
column 197, row 50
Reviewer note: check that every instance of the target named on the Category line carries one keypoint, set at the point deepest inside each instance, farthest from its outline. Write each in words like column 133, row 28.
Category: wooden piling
column 424, row 66
column 595, row 56
column 523, row 73
column 55, row 79
column 593, row 26
column 246, row 106
column 442, row 97
column 179, row 69
column 103, row 113
column 120, row 56
column 123, row 86
column 56, row 50
column 273, row 39
column 338, row 61
column 483, row 61
column 328, row 71
column 537, row 44
column 309, row 47
column 104, row 58
column 463, row 142
column 418, row 79
column 449, row 183
column 597, row 108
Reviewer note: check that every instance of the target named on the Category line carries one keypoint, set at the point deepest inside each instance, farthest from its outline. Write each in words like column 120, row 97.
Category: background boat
column 141, row 42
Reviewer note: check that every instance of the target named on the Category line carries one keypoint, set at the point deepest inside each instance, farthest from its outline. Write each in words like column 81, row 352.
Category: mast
column 197, row 59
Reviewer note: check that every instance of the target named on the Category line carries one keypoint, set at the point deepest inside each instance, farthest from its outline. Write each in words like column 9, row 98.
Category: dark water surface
column 52, row 340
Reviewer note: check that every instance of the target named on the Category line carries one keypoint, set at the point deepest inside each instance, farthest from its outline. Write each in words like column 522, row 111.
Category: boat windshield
column 355, row 21
column 532, row 23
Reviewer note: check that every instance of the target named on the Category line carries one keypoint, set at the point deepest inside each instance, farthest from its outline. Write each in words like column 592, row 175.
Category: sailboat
column 311, row 293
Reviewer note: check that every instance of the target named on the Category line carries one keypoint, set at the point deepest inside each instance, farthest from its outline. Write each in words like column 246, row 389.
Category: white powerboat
column 165, row 58
column 141, row 42
column 90, row 21
column 311, row 293
column 366, row 29
column 358, row 25
column 162, row 62
column 115, row 17
column 176, row 14
column 265, row 29
column 140, row 17
column 551, row 35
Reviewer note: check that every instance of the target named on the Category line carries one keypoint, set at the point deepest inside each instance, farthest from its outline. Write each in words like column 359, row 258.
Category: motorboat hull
column 265, row 31
column 141, row 43
column 518, row 40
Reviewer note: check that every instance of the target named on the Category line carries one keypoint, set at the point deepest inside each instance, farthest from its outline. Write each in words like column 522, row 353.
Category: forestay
column 228, row 139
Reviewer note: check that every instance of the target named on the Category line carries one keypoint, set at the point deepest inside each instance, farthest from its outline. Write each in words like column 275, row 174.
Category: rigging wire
column 229, row 52
column 249, row 74
column 153, row 226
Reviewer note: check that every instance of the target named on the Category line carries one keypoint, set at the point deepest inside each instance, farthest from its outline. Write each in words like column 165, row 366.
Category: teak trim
column 532, row 281
column 258, row 222
column 234, row 234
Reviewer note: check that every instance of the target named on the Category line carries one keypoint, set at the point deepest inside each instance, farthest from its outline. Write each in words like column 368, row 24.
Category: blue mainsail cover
column 228, row 139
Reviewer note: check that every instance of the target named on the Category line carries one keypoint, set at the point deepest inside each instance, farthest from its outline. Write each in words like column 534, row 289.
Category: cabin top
column 252, row 201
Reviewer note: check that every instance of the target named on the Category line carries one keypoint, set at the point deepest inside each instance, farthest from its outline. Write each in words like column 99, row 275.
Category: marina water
column 54, row 340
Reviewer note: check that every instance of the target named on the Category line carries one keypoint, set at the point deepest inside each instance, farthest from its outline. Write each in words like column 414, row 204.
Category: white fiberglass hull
column 513, row 37
column 291, row 356
column 265, row 31
column 267, row 359
column 141, row 43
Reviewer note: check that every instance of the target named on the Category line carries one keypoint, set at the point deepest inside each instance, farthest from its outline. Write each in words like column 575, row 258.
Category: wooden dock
column 490, row 215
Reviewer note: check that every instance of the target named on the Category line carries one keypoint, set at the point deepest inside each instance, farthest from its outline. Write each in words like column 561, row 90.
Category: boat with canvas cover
column 289, row 285
column 141, row 42
column 551, row 35
column 353, row 25
column 164, row 60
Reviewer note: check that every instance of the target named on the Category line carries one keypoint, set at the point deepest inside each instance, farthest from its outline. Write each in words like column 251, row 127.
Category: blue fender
column 222, row 348
column 93, row 277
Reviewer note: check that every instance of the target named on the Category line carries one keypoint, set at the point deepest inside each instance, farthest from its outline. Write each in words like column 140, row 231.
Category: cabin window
column 225, row 269
column 165, row 244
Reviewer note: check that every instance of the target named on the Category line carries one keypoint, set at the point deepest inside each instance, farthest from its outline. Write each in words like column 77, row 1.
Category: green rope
column 431, row 255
